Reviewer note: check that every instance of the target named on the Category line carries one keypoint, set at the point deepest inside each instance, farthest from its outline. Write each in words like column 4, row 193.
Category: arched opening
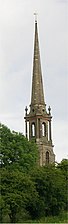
column 33, row 129
column 47, row 157
column 43, row 129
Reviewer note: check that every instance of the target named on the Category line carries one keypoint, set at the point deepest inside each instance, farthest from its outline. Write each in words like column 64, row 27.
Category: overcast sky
column 16, row 58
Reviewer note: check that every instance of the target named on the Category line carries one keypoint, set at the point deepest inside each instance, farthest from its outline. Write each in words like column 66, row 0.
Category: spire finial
column 35, row 14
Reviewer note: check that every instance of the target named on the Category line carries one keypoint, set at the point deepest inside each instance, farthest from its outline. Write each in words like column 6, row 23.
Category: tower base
column 46, row 154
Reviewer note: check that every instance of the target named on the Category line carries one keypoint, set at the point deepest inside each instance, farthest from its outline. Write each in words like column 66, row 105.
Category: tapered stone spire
column 37, row 97
column 37, row 119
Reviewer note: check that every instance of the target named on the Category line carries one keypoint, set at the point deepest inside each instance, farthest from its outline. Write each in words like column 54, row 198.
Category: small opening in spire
column 33, row 129
column 47, row 157
column 43, row 129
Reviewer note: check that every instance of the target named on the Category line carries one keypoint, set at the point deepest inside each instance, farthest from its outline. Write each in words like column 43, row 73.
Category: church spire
column 38, row 120
column 37, row 97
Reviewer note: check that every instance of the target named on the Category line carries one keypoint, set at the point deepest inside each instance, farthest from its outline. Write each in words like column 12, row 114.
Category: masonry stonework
column 38, row 119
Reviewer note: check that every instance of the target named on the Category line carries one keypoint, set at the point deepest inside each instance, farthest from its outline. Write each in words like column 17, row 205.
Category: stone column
column 37, row 128
column 50, row 130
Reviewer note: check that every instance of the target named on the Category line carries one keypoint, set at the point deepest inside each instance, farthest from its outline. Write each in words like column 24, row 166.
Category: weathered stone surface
column 38, row 118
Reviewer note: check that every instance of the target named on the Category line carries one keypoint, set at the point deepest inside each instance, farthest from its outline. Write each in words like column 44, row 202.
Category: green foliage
column 62, row 218
column 16, row 150
column 29, row 192
column 50, row 185
column 63, row 166
column 18, row 192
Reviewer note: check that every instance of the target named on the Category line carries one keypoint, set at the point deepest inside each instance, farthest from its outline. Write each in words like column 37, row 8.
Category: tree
column 28, row 191
column 16, row 150
column 63, row 166
column 18, row 192
column 18, row 157
column 50, row 185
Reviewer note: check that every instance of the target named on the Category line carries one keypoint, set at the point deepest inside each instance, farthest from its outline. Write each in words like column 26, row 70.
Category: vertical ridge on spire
column 37, row 97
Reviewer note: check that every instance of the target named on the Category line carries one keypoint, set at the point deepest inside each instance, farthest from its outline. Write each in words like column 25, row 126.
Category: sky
column 16, row 63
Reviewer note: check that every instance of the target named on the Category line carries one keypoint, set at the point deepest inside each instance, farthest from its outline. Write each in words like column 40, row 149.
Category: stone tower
column 38, row 120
